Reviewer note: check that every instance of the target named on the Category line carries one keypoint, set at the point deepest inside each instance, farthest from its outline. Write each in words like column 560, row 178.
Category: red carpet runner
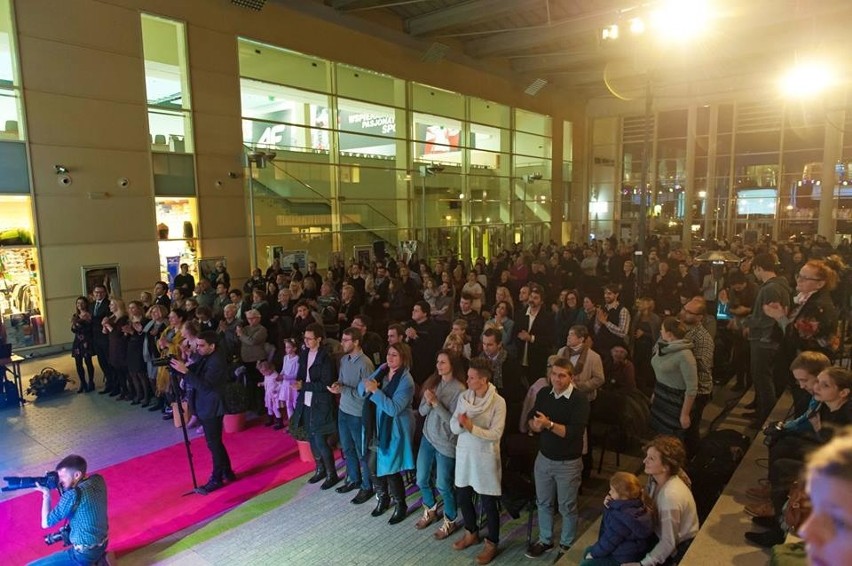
column 145, row 493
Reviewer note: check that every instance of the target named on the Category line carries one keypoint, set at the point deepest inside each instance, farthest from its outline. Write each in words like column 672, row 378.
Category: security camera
column 64, row 180
column 123, row 182
column 60, row 169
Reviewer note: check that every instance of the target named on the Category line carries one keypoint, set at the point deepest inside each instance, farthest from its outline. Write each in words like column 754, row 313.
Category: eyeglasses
column 800, row 277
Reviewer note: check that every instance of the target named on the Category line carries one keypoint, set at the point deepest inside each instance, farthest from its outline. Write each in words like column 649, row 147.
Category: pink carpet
column 145, row 493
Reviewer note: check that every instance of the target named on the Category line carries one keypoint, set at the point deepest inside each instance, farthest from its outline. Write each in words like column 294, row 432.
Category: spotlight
column 60, row 169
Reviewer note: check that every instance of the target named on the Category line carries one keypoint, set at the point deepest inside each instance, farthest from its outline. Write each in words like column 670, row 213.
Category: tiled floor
column 314, row 527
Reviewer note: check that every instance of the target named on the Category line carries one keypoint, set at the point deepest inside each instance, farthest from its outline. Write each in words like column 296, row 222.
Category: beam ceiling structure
column 560, row 40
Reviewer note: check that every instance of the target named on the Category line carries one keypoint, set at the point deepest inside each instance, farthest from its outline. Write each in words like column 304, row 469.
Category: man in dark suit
column 208, row 376
column 100, row 310
column 425, row 339
column 535, row 337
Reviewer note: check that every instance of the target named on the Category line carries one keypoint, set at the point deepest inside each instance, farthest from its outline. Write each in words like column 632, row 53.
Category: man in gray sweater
column 764, row 335
column 355, row 366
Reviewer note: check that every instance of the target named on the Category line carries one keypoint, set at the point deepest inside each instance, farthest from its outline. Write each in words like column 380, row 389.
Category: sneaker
column 446, row 529
column 429, row 517
column 767, row 539
column 537, row 549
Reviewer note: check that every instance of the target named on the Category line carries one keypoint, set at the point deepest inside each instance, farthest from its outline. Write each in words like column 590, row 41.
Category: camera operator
column 208, row 377
column 84, row 503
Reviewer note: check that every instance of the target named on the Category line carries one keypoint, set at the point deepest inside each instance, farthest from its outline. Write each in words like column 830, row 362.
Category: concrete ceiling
column 748, row 45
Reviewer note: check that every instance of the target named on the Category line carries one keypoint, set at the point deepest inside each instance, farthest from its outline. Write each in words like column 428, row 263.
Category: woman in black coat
column 316, row 409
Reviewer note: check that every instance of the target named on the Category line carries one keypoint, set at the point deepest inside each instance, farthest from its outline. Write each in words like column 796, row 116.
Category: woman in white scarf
column 479, row 419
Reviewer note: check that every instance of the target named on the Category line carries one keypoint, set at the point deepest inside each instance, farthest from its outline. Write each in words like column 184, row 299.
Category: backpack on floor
column 719, row 454
column 8, row 393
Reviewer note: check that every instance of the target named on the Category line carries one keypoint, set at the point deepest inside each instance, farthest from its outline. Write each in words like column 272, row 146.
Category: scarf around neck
column 385, row 420
column 466, row 402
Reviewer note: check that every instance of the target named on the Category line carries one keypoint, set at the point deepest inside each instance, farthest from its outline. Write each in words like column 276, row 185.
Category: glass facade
column 362, row 157
column 171, row 139
column 748, row 169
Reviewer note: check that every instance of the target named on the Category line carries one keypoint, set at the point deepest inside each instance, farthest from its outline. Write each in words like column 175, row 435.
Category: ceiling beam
column 338, row 4
column 514, row 41
column 466, row 13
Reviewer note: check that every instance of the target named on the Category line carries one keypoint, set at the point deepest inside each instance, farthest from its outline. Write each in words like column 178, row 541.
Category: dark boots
column 320, row 472
column 380, row 484
column 331, row 472
column 397, row 491
column 278, row 425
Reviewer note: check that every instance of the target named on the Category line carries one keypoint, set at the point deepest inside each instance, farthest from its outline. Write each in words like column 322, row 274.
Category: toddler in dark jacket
column 626, row 526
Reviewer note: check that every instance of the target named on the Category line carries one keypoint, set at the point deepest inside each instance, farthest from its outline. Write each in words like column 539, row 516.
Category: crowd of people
column 447, row 374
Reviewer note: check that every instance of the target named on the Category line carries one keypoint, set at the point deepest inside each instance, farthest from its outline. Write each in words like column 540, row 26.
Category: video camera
column 50, row 480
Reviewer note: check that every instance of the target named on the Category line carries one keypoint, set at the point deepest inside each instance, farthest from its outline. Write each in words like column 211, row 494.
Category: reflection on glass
column 10, row 115
column 170, row 131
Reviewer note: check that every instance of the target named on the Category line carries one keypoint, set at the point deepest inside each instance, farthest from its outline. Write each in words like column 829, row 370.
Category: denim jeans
column 351, row 430
column 557, row 480
column 70, row 557
column 427, row 456
column 762, row 368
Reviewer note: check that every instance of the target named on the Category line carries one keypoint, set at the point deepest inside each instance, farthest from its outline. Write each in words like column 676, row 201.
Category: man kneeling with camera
column 83, row 502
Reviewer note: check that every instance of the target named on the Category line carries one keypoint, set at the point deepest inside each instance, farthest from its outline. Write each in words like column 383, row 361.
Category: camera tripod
column 175, row 390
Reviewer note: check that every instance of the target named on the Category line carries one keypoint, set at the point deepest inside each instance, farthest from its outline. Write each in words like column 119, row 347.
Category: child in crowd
column 271, row 384
column 458, row 340
column 626, row 525
column 287, row 395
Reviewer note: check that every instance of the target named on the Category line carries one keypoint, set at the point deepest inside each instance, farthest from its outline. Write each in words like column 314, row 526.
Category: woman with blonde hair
column 114, row 326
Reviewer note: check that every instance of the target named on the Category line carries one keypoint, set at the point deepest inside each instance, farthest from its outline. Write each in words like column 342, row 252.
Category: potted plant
column 236, row 406
column 300, row 435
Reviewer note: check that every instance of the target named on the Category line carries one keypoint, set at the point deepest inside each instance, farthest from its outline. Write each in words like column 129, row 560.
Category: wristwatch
column 551, row 425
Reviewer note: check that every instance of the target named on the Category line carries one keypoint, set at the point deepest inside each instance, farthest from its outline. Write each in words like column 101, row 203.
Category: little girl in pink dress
column 286, row 394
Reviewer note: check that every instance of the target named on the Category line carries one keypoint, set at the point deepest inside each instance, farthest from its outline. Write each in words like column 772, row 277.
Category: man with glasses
column 764, row 334
column 692, row 316
column 355, row 367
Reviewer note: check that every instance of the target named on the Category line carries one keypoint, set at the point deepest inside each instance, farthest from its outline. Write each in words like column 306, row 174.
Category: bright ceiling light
column 637, row 26
column 807, row 79
column 680, row 19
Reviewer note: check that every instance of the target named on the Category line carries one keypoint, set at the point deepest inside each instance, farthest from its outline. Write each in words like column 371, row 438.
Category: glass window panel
column 490, row 212
column 166, row 75
column 297, row 181
column 366, row 146
column 275, row 103
column 486, row 112
column 533, row 123
column 273, row 64
column 672, row 124
column 528, row 144
column 488, row 138
column 702, row 126
column 174, row 175
column 170, row 131
column 480, row 162
column 257, row 133
column 363, row 179
column 437, row 139
column 525, row 165
column 10, row 116
column 567, row 141
column 489, row 188
column 353, row 82
column 368, row 215
column 13, row 164
column 364, row 118
column 804, row 138
column 8, row 60
column 725, row 122
column 437, row 101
